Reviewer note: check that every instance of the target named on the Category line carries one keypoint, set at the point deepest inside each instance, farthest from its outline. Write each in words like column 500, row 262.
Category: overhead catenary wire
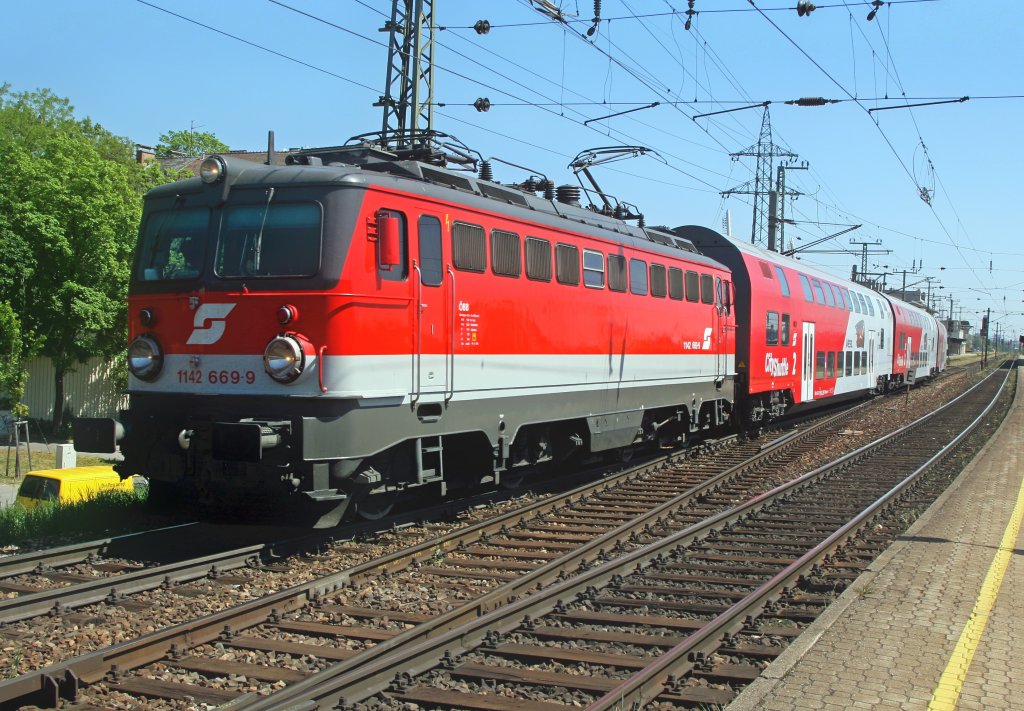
column 885, row 137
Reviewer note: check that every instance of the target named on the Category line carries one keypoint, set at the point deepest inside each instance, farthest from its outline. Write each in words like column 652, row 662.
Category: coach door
column 807, row 378
column 871, row 358
column 432, row 353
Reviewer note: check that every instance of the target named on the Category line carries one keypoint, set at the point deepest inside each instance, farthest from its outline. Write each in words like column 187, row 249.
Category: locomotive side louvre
column 501, row 333
column 802, row 335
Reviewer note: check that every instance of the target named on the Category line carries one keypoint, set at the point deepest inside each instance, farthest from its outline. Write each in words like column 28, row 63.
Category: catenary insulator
column 569, row 194
column 482, row 27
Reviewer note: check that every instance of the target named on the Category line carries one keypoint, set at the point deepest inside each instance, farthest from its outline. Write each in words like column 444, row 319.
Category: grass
column 109, row 512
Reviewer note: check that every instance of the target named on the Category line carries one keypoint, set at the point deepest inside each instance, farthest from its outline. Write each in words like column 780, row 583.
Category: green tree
column 69, row 213
column 12, row 372
column 189, row 143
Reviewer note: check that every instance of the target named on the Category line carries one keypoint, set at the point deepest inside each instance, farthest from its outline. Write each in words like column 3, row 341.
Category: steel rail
column 649, row 682
column 57, row 600
column 61, row 681
column 428, row 645
column 22, row 563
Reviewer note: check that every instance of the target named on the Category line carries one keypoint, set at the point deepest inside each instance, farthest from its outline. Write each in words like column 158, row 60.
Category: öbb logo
column 216, row 315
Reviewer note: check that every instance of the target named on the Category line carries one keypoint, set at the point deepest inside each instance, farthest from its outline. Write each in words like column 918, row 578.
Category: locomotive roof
column 702, row 237
column 361, row 166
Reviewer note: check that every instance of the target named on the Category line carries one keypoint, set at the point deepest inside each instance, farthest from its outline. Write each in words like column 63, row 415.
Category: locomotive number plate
column 199, row 376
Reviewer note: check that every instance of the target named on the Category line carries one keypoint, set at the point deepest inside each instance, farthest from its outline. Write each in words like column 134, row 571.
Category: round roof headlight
column 145, row 359
column 284, row 359
column 212, row 169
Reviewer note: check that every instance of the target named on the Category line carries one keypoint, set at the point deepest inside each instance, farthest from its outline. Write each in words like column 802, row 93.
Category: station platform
column 936, row 621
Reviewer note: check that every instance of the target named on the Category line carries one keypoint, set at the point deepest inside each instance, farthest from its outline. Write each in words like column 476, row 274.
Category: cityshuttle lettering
column 776, row 367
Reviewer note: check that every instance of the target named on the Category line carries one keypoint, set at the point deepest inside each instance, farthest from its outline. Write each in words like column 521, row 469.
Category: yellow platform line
column 951, row 682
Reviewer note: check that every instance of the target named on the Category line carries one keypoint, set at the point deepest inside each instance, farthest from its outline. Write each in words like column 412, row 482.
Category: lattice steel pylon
column 761, row 187
column 409, row 101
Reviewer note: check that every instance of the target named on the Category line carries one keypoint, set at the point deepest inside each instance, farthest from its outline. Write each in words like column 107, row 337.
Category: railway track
column 491, row 564
column 682, row 620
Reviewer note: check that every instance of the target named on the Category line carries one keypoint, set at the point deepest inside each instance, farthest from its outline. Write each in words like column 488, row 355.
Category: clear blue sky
column 141, row 72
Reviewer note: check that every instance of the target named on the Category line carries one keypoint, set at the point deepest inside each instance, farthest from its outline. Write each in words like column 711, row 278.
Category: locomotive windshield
column 269, row 240
column 173, row 244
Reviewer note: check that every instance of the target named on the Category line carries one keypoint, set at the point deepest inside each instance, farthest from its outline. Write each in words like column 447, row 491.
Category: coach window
column 856, row 362
column 638, row 277
column 783, row 282
column 846, row 298
column 616, row 272
column 856, row 304
column 469, row 248
column 538, row 259
column 828, row 294
column 839, row 296
column 871, row 307
column 771, row 329
column 830, row 365
column 707, row 289
column 819, row 295
column 431, row 261
column 881, row 308
column 675, row 283
column 784, row 335
column 881, row 336
column 806, row 284
column 819, row 366
column 849, row 362
column 863, row 362
column 839, row 363
column 567, row 263
column 658, row 281
column 593, row 269
column 863, row 303
column 727, row 295
column 505, row 253
column 692, row 286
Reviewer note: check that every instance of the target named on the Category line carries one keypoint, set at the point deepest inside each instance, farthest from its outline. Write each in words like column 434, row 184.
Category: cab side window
column 431, row 261
column 396, row 273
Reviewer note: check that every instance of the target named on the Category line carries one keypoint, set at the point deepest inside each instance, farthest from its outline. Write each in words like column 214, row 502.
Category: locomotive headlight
column 284, row 358
column 212, row 169
column 145, row 359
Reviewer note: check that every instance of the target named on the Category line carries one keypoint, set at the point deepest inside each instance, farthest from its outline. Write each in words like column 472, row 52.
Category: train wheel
column 375, row 506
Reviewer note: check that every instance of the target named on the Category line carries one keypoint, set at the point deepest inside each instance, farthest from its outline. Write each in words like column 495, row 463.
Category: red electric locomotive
column 330, row 334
